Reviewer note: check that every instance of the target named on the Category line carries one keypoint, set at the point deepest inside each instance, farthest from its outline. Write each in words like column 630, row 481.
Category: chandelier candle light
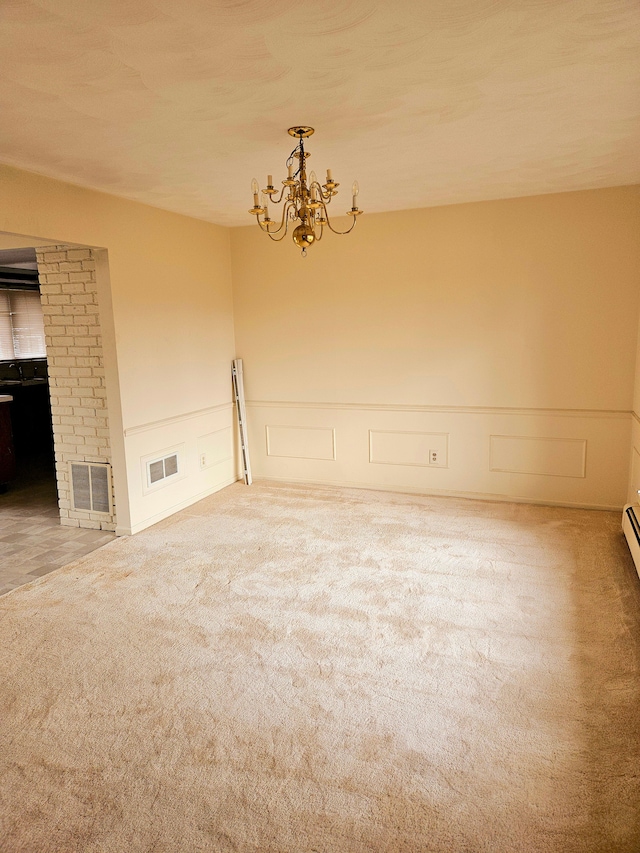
column 307, row 202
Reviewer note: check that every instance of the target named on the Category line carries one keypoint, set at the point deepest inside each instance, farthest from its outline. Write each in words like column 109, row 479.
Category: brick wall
column 76, row 371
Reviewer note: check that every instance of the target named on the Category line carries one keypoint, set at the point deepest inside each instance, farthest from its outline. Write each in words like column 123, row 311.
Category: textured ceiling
column 424, row 101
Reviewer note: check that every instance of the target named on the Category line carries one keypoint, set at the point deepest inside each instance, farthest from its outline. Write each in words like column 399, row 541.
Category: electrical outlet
column 434, row 457
column 203, row 460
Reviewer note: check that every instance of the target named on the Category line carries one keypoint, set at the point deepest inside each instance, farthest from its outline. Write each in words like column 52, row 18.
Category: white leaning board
column 238, row 391
column 631, row 530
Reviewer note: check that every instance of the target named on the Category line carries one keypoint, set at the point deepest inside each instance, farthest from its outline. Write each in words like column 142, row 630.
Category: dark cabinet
column 7, row 452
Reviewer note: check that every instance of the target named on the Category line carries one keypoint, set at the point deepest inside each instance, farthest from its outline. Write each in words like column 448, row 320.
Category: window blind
column 21, row 325
column 6, row 334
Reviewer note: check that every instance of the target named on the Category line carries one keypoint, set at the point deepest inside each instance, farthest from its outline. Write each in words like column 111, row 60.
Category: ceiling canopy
column 425, row 102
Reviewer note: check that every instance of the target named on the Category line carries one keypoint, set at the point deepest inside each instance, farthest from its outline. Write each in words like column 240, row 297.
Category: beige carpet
column 286, row 669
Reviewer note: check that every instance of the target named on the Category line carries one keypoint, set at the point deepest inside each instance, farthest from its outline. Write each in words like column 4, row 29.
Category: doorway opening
column 26, row 444
column 53, row 416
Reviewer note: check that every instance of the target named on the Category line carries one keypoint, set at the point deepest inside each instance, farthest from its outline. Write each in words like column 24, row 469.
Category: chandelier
column 304, row 201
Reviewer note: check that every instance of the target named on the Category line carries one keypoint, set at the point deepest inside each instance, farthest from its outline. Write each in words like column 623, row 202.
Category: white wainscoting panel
column 301, row 442
column 389, row 447
column 215, row 447
column 634, row 478
column 526, row 454
column 211, row 431
column 384, row 447
column 635, row 474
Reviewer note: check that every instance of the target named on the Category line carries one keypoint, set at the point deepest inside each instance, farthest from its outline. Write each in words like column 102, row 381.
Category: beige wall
column 172, row 342
column 634, row 474
column 636, row 396
column 501, row 334
column 504, row 330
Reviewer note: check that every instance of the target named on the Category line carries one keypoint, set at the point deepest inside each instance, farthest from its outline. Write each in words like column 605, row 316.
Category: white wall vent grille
column 91, row 487
column 162, row 469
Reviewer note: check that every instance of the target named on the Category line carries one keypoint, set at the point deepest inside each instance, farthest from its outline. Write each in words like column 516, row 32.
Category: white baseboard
column 160, row 516
column 446, row 493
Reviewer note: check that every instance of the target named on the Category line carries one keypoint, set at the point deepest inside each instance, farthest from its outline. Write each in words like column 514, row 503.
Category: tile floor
column 32, row 541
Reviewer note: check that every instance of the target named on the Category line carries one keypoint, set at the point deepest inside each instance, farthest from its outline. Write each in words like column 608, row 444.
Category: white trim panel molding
column 301, row 442
column 206, row 442
column 570, row 458
column 528, row 454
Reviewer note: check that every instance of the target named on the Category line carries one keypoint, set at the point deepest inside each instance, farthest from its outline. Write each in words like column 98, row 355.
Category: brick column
column 69, row 299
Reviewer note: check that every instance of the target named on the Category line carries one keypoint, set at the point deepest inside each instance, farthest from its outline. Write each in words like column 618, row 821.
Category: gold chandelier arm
column 340, row 233
column 278, row 239
column 278, row 200
column 283, row 222
column 321, row 195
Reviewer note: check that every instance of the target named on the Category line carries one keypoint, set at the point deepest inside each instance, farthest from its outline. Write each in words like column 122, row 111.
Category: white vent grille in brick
column 91, row 487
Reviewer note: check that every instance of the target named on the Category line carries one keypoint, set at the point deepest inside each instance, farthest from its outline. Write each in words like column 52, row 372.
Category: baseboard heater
column 631, row 530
